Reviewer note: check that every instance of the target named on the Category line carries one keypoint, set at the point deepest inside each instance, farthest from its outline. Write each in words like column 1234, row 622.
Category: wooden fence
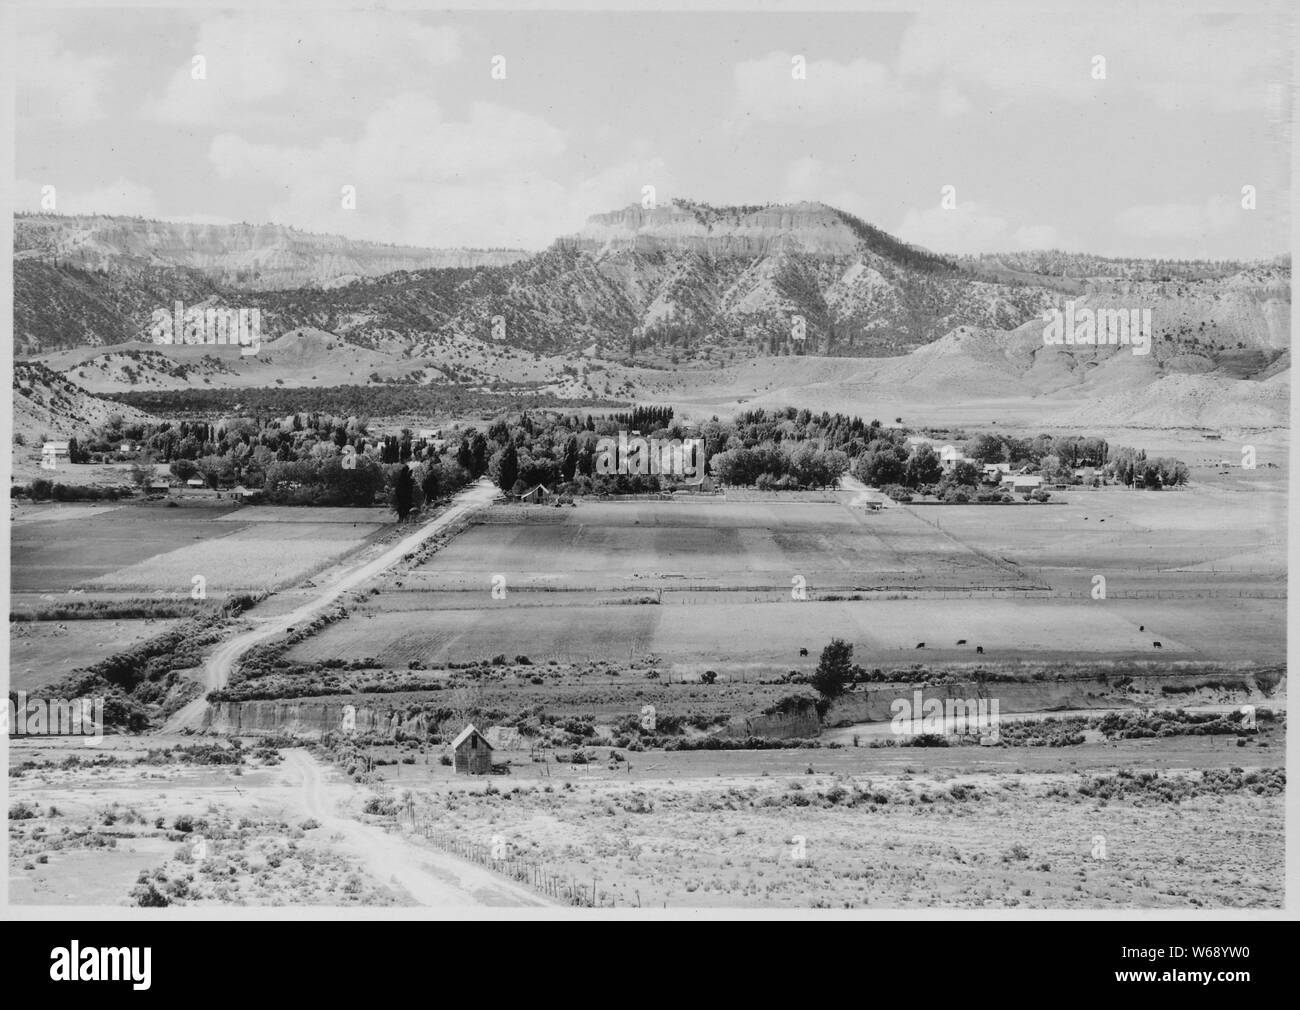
column 561, row 887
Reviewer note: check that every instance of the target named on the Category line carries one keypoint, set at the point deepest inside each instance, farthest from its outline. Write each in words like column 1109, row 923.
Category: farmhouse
column 473, row 753
column 993, row 472
column 949, row 457
column 1021, row 483
column 701, row 484
column 53, row 453
column 537, row 496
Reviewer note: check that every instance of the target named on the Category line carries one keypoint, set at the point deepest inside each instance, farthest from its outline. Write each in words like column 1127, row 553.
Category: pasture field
column 140, row 549
column 708, row 585
column 257, row 557
column 42, row 652
column 766, row 638
column 56, row 556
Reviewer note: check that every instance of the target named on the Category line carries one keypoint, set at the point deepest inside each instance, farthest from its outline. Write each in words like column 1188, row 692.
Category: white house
column 1020, row 483
column 949, row 457
column 54, row 453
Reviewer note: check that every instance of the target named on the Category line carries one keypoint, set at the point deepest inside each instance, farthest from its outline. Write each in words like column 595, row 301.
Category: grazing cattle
column 803, row 652
column 961, row 641
column 1142, row 627
column 1157, row 645
column 920, row 645
column 979, row 649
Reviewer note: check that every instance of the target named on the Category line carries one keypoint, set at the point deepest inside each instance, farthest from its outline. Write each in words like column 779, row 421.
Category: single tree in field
column 509, row 471
column 834, row 669
column 403, row 492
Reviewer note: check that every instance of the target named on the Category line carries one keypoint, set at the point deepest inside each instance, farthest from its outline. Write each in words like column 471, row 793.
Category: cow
column 961, row 641
column 1157, row 645
column 803, row 652
column 920, row 645
column 979, row 649
column 1142, row 627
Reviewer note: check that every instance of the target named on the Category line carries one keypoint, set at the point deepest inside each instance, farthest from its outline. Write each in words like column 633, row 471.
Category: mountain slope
column 236, row 256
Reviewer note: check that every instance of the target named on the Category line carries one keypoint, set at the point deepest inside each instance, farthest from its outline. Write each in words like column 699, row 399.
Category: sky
column 991, row 132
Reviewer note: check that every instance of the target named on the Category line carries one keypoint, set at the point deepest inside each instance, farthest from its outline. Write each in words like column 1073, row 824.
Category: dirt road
column 435, row 879
column 216, row 669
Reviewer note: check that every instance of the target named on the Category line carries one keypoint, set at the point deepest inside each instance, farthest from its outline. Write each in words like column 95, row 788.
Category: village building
column 473, row 752
column 700, row 484
column 537, row 496
column 1021, row 483
column 53, row 453
column 950, row 456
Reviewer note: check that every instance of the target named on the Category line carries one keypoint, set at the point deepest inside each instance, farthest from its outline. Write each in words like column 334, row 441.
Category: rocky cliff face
column 681, row 281
column 307, row 718
column 733, row 231
column 240, row 256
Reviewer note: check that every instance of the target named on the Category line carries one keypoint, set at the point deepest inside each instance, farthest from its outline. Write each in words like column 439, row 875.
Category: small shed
column 473, row 752
column 702, row 483
column 537, row 496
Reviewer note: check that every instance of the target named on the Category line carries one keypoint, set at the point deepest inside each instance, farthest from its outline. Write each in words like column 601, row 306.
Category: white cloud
column 1180, row 220
column 810, row 178
column 491, row 179
column 831, row 92
column 970, row 228
column 288, row 69
column 56, row 84
column 122, row 197
column 1178, row 61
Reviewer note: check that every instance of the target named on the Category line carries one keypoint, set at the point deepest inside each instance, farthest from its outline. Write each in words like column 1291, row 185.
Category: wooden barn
column 473, row 752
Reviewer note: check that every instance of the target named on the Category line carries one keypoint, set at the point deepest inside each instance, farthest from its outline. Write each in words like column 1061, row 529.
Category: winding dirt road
column 217, row 667
column 433, row 878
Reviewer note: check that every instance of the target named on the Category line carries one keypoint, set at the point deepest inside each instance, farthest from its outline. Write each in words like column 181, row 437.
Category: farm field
column 42, row 652
column 145, row 549
column 765, row 638
column 708, row 585
column 257, row 557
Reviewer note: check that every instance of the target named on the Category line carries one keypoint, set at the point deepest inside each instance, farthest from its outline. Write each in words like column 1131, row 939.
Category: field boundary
column 563, row 887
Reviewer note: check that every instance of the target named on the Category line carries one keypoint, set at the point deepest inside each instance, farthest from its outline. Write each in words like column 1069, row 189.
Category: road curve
column 433, row 878
column 217, row 667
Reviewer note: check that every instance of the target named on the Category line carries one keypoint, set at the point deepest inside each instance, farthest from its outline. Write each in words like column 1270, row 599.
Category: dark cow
column 979, row 649
column 803, row 652
column 920, row 645
column 1157, row 645
column 1142, row 627
column 961, row 641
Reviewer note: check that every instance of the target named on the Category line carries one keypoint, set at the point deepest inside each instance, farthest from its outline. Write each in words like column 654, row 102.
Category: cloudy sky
column 1008, row 108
